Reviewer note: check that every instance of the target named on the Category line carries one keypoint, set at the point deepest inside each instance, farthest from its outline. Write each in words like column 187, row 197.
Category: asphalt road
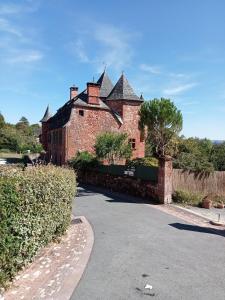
column 136, row 244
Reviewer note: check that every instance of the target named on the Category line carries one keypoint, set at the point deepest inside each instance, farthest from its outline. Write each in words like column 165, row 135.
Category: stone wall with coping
column 160, row 191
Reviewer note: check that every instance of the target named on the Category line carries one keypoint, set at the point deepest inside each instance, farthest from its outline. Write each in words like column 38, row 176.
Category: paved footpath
column 137, row 244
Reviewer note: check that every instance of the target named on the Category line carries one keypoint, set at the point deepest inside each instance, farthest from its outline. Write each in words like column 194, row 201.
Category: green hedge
column 35, row 208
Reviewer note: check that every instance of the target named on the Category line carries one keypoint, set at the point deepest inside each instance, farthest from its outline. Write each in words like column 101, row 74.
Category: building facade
column 101, row 107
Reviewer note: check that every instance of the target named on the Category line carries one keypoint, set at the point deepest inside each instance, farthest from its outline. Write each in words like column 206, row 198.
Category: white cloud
column 16, row 42
column 176, row 90
column 113, row 46
column 17, row 8
column 178, row 75
column 7, row 27
column 80, row 51
column 151, row 69
column 26, row 57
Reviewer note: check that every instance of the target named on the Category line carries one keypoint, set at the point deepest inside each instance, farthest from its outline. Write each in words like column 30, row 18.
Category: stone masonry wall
column 82, row 130
column 160, row 191
column 127, row 185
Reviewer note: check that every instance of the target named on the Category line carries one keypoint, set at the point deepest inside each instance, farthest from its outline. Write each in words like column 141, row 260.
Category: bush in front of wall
column 187, row 198
column 35, row 209
column 83, row 161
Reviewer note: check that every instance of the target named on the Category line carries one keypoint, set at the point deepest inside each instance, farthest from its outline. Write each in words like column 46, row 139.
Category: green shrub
column 5, row 150
column 84, row 160
column 35, row 208
column 145, row 161
column 192, row 162
column 187, row 198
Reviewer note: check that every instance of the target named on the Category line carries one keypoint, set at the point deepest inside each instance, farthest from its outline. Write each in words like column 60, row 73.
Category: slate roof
column 106, row 85
column 81, row 99
column 46, row 116
column 123, row 91
column 61, row 117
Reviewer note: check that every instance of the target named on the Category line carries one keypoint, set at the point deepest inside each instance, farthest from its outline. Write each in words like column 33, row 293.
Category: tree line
column 19, row 137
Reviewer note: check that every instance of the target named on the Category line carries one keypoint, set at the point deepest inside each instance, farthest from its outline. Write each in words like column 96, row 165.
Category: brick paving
column 57, row 268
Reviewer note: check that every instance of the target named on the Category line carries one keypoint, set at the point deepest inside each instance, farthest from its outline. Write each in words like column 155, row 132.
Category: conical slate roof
column 47, row 115
column 123, row 91
column 106, row 85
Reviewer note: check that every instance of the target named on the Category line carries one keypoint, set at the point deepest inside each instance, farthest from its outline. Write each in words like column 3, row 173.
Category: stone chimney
column 73, row 92
column 93, row 93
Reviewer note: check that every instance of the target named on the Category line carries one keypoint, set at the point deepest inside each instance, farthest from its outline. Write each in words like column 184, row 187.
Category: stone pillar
column 165, row 177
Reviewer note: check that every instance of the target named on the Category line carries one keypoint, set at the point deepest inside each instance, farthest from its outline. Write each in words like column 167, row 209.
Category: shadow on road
column 112, row 196
column 196, row 228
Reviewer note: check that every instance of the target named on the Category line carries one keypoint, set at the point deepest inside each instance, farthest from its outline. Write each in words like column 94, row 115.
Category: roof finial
column 93, row 79
column 104, row 66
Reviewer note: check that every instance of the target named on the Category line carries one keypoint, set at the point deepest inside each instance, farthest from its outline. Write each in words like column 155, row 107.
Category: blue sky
column 173, row 49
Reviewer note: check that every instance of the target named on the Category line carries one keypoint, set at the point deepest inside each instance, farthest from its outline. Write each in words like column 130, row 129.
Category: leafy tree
column 196, row 146
column 19, row 137
column 112, row 147
column 2, row 121
column 194, row 154
column 163, row 122
column 218, row 156
column 192, row 162
column 35, row 129
column 9, row 138
column 23, row 125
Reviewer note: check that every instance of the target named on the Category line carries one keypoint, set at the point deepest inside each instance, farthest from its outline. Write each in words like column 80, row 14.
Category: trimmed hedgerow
column 35, row 208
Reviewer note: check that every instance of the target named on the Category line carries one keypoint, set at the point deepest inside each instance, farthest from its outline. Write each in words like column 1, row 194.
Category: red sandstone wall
column 130, row 126
column 116, row 105
column 82, row 130
column 57, row 147
column 44, row 138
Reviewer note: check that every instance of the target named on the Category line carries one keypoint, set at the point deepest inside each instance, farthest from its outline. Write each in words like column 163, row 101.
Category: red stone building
column 99, row 108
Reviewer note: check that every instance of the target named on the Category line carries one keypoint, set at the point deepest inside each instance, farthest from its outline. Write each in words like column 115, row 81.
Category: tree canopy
column 19, row 137
column 163, row 122
column 112, row 147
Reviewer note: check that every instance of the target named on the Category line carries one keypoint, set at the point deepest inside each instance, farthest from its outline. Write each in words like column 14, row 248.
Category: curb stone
column 58, row 268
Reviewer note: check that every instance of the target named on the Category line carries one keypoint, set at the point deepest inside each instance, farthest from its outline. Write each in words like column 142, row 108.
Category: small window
column 132, row 143
column 81, row 112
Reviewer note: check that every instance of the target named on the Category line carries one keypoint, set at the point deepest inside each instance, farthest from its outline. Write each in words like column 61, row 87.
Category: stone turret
column 44, row 129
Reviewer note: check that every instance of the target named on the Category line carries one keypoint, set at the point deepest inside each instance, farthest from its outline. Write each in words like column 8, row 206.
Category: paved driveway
column 136, row 244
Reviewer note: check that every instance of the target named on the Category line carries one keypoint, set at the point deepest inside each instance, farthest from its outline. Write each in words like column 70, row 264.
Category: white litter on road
column 148, row 286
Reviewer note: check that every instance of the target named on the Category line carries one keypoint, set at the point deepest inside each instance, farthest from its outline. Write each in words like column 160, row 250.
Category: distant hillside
column 218, row 141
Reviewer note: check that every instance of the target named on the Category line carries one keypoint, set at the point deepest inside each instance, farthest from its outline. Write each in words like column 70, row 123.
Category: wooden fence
column 205, row 184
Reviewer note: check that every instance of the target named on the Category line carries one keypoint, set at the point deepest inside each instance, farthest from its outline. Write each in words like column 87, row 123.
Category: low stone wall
column 161, row 191
column 128, row 185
